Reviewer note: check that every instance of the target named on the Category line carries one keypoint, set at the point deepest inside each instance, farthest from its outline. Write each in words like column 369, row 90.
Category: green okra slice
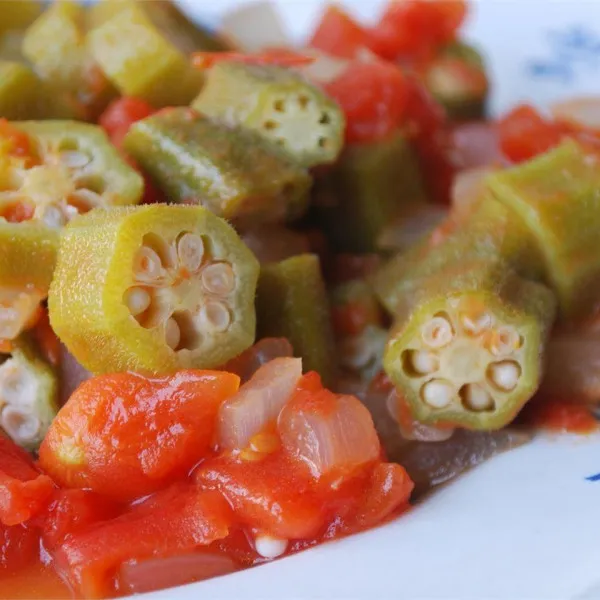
column 17, row 15
column 491, row 231
column 468, row 349
column 457, row 79
column 227, row 169
column 56, row 46
column 28, row 394
column 140, row 61
column 557, row 196
column 371, row 186
column 19, row 91
column 280, row 105
column 74, row 168
column 153, row 289
column 292, row 303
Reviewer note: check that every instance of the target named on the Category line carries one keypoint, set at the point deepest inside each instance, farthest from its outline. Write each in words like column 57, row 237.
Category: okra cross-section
column 469, row 352
column 280, row 105
column 229, row 170
column 557, row 196
column 72, row 168
column 28, row 395
column 153, row 289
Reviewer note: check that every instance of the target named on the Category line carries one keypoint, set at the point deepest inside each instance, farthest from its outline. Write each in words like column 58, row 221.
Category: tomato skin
column 18, row 212
column 373, row 96
column 339, row 34
column 559, row 415
column 282, row 57
column 47, row 340
column 71, row 511
column 18, row 141
column 121, row 114
column 19, row 547
column 126, row 435
column 172, row 522
column 415, row 29
column 24, row 491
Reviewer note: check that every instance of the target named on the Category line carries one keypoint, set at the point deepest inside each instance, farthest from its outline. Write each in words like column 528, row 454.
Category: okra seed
column 53, row 217
column 504, row 341
column 437, row 393
column 84, row 200
column 475, row 397
column 279, row 105
column 504, row 375
column 190, row 250
column 271, row 125
column 323, row 142
column 474, row 325
column 218, row 278
column 137, row 300
column 269, row 546
column 325, row 119
column 147, row 265
column 172, row 333
column 437, row 333
column 215, row 315
column 303, row 101
column 73, row 159
column 423, row 362
column 20, row 426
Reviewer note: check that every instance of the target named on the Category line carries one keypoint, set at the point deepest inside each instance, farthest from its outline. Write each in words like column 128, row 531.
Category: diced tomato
column 126, row 435
column 17, row 212
column 6, row 346
column 121, row 114
column 415, row 29
column 558, row 415
column 350, row 319
column 18, row 141
column 373, row 96
column 19, row 547
column 24, row 491
column 389, row 489
column 274, row 495
column 47, row 340
column 282, row 57
column 71, row 511
column 175, row 521
column 339, row 34
column 346, row 267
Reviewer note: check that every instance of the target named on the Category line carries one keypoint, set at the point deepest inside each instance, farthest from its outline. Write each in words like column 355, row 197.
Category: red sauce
column 559, row 415
column 32, row 583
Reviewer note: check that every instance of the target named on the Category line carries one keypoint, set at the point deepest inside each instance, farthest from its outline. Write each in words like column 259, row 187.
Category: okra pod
column 292, row 303
column 19, row 308
column 557, row 196
column 280, row 105
column 457, row 79
column 18, row 15
column 55, row 44
column 229, row 170
column 371, row 186
column 72, row 168
column 139, row 61
column 28, row 394
column 154, row 289
column 19, row 97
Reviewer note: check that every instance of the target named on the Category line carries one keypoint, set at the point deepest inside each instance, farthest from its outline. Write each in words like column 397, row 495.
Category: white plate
column 525, row 525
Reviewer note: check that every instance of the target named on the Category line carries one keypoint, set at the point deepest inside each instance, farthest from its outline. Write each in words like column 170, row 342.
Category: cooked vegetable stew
column 254, row 301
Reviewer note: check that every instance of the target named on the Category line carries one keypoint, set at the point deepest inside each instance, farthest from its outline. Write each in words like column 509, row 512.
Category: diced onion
column 467, row 189
column 325, row 68
column 257, row 402
column 137, row 577
column 476, row 144
column 338, row 438
column 582, row 112
column 249, row 361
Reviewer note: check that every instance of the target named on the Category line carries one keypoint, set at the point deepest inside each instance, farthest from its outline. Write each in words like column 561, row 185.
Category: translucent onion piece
column 337, row 439
column 249, row 361
column 476, row 145
column 258, row 402
column 272, row 243
column 71, row 375
column 17, row 310
column 325, row 68
column 467, row 189
column 582, row 112
column 138, row 577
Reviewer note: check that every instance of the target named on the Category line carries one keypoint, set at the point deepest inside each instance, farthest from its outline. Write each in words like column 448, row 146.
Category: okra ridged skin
column 19, row 97
column 108, row 175
column 292, row 302
column 370, row 186
column 28, row 254
column 468, row 351
column 28, row 394
column 557, row 196
column 280, row 105
column 153, row 289
column 139, row 61
column 229, row 170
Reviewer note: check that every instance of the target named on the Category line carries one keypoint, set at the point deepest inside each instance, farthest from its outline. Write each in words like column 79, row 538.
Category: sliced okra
column 371, row 186
column 139, row 61
column 229, row 170
column 280, row 105
column 469, row 351
column 28, row 395
column 557, row 196
column 18, row 15
column 153, row 289
column 19, row 97
column 73, row 168
column 292, row 303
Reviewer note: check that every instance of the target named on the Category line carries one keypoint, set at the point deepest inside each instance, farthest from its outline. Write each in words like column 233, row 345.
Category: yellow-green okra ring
column 153, row 289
